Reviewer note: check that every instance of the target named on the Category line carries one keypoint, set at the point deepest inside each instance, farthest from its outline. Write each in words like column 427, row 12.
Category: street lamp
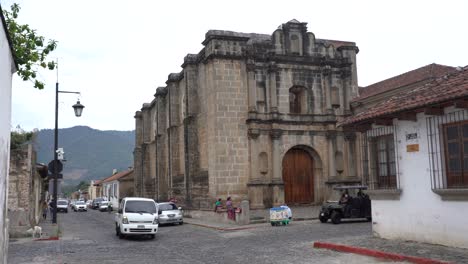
column 78, row 107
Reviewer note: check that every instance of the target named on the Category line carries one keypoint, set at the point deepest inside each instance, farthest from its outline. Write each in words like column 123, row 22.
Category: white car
column 136, row 216
column 80, row 206
column 170, row 214
column 104, row 206
column 62, row 205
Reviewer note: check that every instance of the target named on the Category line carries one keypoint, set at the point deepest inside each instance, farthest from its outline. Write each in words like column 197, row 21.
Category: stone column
column 277, row 180
column 331, row 137
column 272, row 88
column 252, row 85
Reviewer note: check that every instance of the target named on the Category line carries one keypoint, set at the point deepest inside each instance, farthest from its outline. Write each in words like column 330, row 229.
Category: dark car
column 349, row 207
column 97, row 202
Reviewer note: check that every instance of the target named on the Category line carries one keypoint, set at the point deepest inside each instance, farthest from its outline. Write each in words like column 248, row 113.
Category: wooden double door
column 298, row 177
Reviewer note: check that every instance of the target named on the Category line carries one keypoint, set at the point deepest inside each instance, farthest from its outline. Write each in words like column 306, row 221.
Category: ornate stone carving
column 276, row 134
column 330, row 134
column 349, row 136
column 253, row 133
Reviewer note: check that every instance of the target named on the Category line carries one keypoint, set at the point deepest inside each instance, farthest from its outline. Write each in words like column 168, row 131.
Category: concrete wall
column 7, row 68
column 419, row 214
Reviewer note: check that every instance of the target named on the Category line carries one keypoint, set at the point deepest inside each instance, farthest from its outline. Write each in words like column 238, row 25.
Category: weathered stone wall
column 227, row 121
column 24, row 192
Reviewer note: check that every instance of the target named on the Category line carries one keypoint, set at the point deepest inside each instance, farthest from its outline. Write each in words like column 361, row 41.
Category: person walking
column 45, row 208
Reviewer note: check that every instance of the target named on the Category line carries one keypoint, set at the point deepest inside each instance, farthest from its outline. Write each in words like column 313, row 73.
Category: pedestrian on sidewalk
column 230, row 209
column 45, row 208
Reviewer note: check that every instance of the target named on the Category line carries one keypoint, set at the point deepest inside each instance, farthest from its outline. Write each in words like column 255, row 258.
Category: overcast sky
column 117, row 52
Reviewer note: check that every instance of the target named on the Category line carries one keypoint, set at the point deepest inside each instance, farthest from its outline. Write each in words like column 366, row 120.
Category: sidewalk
column 49, row 231
column 406, row 248
column 300, row 213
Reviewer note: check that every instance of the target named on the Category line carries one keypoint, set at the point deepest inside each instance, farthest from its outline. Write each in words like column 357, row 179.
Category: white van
column 136, row 216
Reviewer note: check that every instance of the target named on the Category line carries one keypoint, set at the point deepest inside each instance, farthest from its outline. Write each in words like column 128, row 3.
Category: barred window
column 456, row 153
column 384, row 150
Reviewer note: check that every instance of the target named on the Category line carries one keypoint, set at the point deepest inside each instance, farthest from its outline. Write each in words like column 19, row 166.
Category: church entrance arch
column 298, row 177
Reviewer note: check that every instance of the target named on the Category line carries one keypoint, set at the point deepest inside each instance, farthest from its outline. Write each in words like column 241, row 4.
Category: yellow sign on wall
column 412, row 148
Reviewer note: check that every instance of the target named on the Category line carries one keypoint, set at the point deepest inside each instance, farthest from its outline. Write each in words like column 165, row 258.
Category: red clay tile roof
column 450, row 87
column 430, row 71
column 117, row 176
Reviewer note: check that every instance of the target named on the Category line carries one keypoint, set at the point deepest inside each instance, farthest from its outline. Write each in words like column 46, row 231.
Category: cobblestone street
column 89, row 237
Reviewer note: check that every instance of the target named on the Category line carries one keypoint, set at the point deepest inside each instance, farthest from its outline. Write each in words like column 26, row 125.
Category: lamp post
column 78, row 110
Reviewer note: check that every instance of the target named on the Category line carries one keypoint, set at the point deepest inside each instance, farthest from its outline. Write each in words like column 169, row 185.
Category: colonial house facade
column 118, row 186
column 251, row 116
column 414, row 155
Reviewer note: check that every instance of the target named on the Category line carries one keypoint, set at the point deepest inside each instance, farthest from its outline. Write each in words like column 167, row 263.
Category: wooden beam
column 408, row 116
column 383, row 122
column 434, row 111
column 462, row 104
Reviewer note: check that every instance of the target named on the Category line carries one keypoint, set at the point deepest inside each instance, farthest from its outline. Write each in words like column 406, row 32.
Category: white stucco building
column 7, row 68
column 414, row 157
column 118, row 186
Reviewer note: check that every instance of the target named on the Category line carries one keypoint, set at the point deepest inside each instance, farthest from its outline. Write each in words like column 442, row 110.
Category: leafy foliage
column 31, row 50
column 19, row 137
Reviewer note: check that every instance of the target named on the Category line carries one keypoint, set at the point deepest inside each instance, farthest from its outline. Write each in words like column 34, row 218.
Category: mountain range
column 90, row 153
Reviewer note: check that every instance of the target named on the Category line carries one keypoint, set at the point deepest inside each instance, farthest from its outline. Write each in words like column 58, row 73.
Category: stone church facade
column 251, row 116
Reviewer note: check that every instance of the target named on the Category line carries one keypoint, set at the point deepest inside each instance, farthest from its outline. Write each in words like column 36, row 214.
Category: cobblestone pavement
column 89, row 237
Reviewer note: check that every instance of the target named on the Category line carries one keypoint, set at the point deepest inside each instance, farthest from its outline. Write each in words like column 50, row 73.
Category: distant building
column 93, row 189
column 118, row 186
column 414, row 154
column 251, row 116
column 8, row 66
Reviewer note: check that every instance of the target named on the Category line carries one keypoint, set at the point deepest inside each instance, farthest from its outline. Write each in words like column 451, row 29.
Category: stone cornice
column 175, row 77
column 161, row 91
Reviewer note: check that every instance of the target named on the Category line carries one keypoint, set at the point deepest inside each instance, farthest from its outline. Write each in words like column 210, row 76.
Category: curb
column 47, row 238
column 222, row 228
column 377, row 253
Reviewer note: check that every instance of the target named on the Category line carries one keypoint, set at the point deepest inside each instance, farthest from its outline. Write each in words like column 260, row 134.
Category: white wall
column 114, row 200
column 6, row 70
column 420, row 214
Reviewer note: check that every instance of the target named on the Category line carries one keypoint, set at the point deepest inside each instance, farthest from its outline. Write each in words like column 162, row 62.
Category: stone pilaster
column 331, row 140
column 277, row 180
column 252, row 86
column 272, row 88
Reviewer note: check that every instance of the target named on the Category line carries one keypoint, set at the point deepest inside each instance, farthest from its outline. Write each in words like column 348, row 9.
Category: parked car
column 89, row 203
column 170, row 214
column 349, row 207
column 97, row 201
column 136, row 216
column 80, row 206
column 62, row 206
column 104, row 206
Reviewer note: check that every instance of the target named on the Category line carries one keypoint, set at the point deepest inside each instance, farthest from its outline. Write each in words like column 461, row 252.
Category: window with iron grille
column 379, row 165
column 448, row 150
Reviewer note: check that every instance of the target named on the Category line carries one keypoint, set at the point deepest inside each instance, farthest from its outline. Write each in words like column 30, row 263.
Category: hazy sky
column 117, row 52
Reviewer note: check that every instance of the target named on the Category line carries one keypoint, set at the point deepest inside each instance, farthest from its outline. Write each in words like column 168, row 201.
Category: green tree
column 31, row 50
column 19, row 137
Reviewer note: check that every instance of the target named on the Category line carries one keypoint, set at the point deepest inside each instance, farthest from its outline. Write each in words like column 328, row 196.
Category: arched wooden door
column 298, row 177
